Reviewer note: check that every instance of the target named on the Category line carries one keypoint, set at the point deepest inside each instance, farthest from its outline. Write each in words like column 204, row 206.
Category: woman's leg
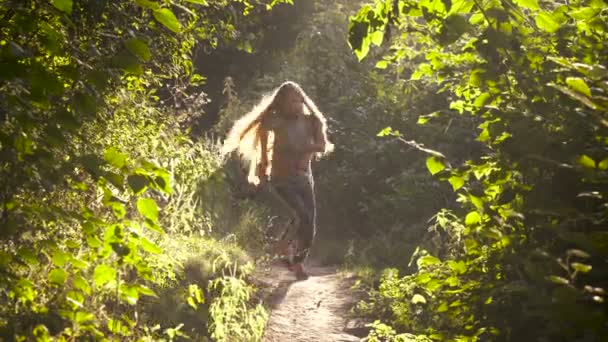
column 300, row 197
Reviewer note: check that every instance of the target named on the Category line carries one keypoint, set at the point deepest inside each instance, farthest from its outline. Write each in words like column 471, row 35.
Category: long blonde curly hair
column 245, row 135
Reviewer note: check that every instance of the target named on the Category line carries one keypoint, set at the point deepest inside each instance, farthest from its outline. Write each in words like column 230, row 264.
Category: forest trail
column 315, row 309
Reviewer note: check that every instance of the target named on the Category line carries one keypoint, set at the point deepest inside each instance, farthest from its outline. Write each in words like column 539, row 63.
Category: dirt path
column 312, row 310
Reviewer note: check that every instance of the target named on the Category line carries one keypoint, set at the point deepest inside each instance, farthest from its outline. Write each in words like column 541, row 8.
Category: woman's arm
column 320, row 143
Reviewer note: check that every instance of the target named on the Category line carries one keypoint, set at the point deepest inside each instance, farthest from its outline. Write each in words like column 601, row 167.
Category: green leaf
column 93, row 241
column 57, row 276
column 603, row 165
column 139, row 48
column 199, row 2
column 477, row 201
column 579, row 85
column 129, row 293
column 41, row 333
column 382, row 64
column 581, row 267
column 80, row 264
column 84, row 317
column 82, row 284
column 148, row 4
column 115, row 326
column 358, row 39
column 147, row 208
column 60, row 258
column 584, row 13
column 443, row 307
column 458, row 267
column 384, row 132
column 456, row 182
column 72, row 243
column 418, row 299
column 28, row 256
column 427, row 260
column 146, row 291
column 103, row 274
column 434, row 165
column 586, row 161
column 162, row 181
column 114, row 158
column 63, row 5
column 559, row 280
column 167, row 18
column 481, row 100
column 529, row 4
column 547, row 22
column 377, row 37
column 149, row 246
column 472, row 218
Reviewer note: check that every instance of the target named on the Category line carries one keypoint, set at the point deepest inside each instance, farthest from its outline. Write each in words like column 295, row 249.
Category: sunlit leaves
column 434, row 165
column 93, row 241
column 147, row 208
column 382, row 64
column 368, row 27
column 103, row 274
column 526, row 127
column 559, row 280
column 547, row 22
column 579, row 85
column 472, row 218
column 82, row 284
column 166, row 17
column 579, row 267
column 584, row 13
column 456, row 182
column 385, row 132
column 60, row 258
column 586, row 161
column 195, row 297
column 149, row 246
column 427, row 260
column 461, row 6
column 114, row 157
column 529, row 4
column 57, row 276
column 459, row 267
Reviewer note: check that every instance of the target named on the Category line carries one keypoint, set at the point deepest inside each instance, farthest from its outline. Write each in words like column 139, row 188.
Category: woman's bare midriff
column 286, row 165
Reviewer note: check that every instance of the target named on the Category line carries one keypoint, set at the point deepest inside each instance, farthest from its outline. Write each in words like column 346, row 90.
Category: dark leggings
column 298, row 193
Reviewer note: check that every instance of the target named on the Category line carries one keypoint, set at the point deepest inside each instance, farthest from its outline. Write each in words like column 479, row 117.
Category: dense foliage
column 524, row 255
column 104, row 229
